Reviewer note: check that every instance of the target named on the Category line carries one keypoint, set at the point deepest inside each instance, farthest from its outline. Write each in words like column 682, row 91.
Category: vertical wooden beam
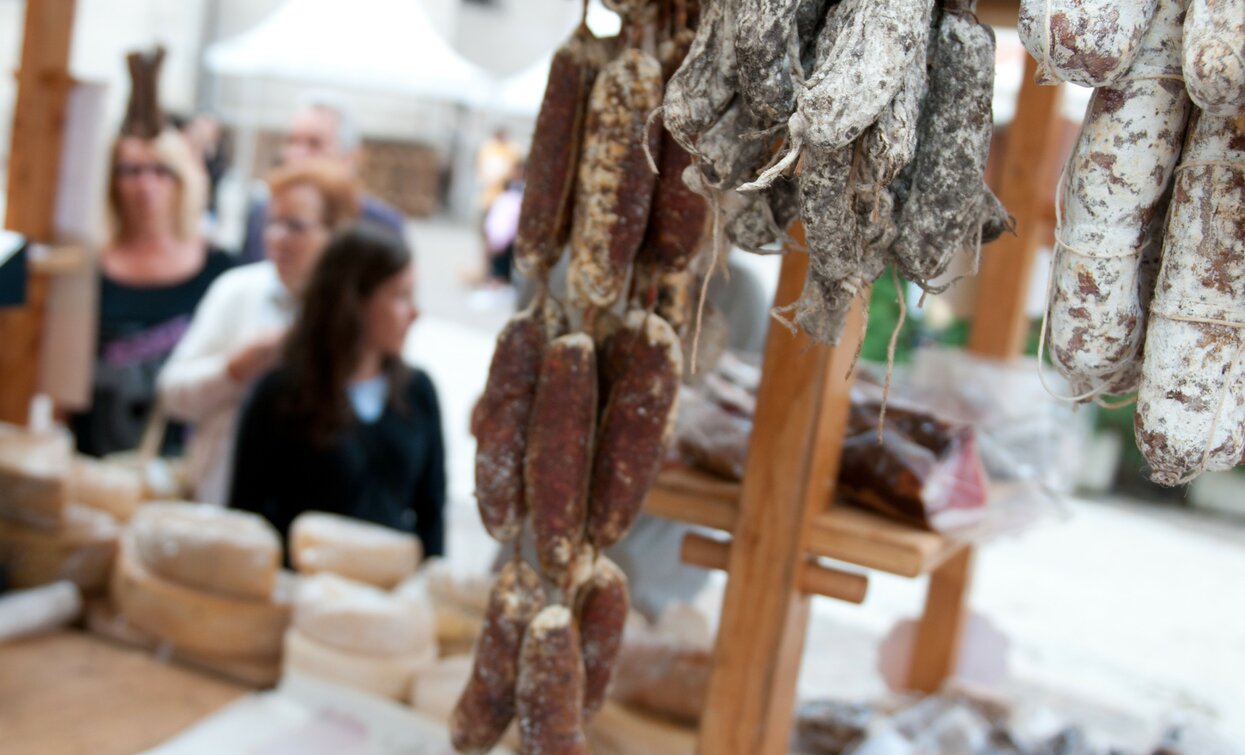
column 1000, row 324
column 801, row 414
column 43, row 85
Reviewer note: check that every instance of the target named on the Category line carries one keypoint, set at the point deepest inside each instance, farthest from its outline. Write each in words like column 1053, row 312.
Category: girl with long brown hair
column 344, row 425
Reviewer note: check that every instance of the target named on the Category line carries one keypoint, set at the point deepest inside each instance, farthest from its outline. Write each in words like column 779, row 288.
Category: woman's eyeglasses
column 293, row 226
column 134, row 170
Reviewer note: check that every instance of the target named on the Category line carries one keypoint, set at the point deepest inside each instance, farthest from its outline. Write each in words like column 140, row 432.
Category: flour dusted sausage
column 1117, row 176
column 551, row 686
column 487, row 704
column 1191, row 404
column 1214, row 55
column 1086, row 42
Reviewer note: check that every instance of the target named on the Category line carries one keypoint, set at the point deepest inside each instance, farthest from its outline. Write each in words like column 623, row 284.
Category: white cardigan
column 195, row 386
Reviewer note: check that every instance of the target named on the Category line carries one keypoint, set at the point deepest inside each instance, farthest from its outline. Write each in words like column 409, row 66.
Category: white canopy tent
column 387, row 45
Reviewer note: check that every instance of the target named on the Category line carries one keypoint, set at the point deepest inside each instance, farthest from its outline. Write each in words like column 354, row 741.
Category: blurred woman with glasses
column 154, row 269
column 237, row 331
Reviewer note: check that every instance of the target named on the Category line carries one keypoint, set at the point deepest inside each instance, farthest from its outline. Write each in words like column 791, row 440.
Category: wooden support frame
column 43, row 85
column 802, row 407
column 779, row 516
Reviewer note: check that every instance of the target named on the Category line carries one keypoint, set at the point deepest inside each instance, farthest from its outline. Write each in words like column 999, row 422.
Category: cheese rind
column 358, row 618
column 81, row 550
column 361, row 551
column 388, row 676
column 104, row 486
column 34, row 468
column 197, row 621
column 222, row 551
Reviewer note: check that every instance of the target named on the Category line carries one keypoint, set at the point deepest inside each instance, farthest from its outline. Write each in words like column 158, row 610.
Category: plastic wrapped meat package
column 968, row 446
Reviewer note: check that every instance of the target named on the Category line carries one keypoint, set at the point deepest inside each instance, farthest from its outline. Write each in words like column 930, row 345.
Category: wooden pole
column 1000, row 324
column 801, row 414
column 43, row 85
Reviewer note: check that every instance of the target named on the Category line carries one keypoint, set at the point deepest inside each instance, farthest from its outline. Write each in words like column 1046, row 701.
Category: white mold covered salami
column 1116, row 182
column 1214, row 55
column 1086, row 42
column 1191, row 404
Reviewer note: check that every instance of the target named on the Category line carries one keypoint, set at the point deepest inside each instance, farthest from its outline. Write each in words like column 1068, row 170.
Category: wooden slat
column 842, row 533
column 817, row 579
column 43, row 85
column 936, row 647
column 74, row 693
column 801, row 414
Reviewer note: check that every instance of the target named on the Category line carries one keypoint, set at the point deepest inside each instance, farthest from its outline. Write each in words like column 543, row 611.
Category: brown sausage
column 545, row 217
column 615, row 186
column 636, row 425
column 601, row 610
column 551, row 686
column 487, row 705
column 559, row 458
column 503, row 414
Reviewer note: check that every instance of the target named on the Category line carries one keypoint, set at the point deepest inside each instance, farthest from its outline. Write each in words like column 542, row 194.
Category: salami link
column 676, row 220
column 615, row 183
column 559, row 451
column 705, row 84
column 1191, row 404
column 551, row 686
column 1086, row 42
column 1117, row 177
column 834, row 246
column 504, row 412
column 545, row 217
column 636, row 425
column 487, row 704
column 943, row 209
column 1214, row 55
column 601, row 610
column 764, row 40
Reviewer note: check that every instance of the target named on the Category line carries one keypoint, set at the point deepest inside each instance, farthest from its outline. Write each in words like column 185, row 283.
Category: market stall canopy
column 387, row 45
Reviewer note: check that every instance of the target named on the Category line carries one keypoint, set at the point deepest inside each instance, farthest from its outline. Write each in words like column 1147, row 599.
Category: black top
column 138, row 328
column 390, row 471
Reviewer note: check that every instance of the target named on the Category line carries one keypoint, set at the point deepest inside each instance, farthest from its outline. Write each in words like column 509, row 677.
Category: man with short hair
column 321, row 129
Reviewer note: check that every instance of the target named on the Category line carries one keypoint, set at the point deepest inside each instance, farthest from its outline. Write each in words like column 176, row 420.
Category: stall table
column 72, row 692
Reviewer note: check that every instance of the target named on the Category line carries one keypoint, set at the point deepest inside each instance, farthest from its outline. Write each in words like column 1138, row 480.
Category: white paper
column 306, row 716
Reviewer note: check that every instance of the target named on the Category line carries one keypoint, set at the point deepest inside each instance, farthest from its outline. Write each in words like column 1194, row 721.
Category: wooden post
column 1000, row 324
column 43, row 85
column 801, row 414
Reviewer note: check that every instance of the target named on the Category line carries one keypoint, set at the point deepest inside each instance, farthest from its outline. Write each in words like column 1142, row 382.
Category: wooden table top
column 71, row 692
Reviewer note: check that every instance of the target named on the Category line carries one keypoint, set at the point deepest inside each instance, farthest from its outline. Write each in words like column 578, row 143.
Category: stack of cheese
column 459, row 600
column 327, row 543
column 205, row 582
column 58, row 514
column 360, row 636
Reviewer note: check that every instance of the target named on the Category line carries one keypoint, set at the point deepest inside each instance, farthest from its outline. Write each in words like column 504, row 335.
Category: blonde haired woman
column 153, row 270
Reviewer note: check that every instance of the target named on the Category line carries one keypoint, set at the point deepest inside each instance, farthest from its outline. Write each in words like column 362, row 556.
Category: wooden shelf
column 842, row 533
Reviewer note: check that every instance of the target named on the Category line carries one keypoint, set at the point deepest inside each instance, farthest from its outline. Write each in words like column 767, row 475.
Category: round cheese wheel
column 388, row 676
column 104, row 486
column 33, row 472
column 359, row 618
column 82, row 550
column 197, row 621
column 359, row 550
column 222, row 551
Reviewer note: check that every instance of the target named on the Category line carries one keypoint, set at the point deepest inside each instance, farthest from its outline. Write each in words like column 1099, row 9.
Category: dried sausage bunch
column 579, row 403
column 1146, row 279
column 887, row 102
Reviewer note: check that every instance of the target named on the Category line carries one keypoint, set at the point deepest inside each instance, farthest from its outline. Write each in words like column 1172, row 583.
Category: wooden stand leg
column 801, row 414
column 43, row 85
column 936, row 646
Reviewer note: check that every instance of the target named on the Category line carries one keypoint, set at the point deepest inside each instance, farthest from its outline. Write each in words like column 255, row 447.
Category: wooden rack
column 780, row 519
